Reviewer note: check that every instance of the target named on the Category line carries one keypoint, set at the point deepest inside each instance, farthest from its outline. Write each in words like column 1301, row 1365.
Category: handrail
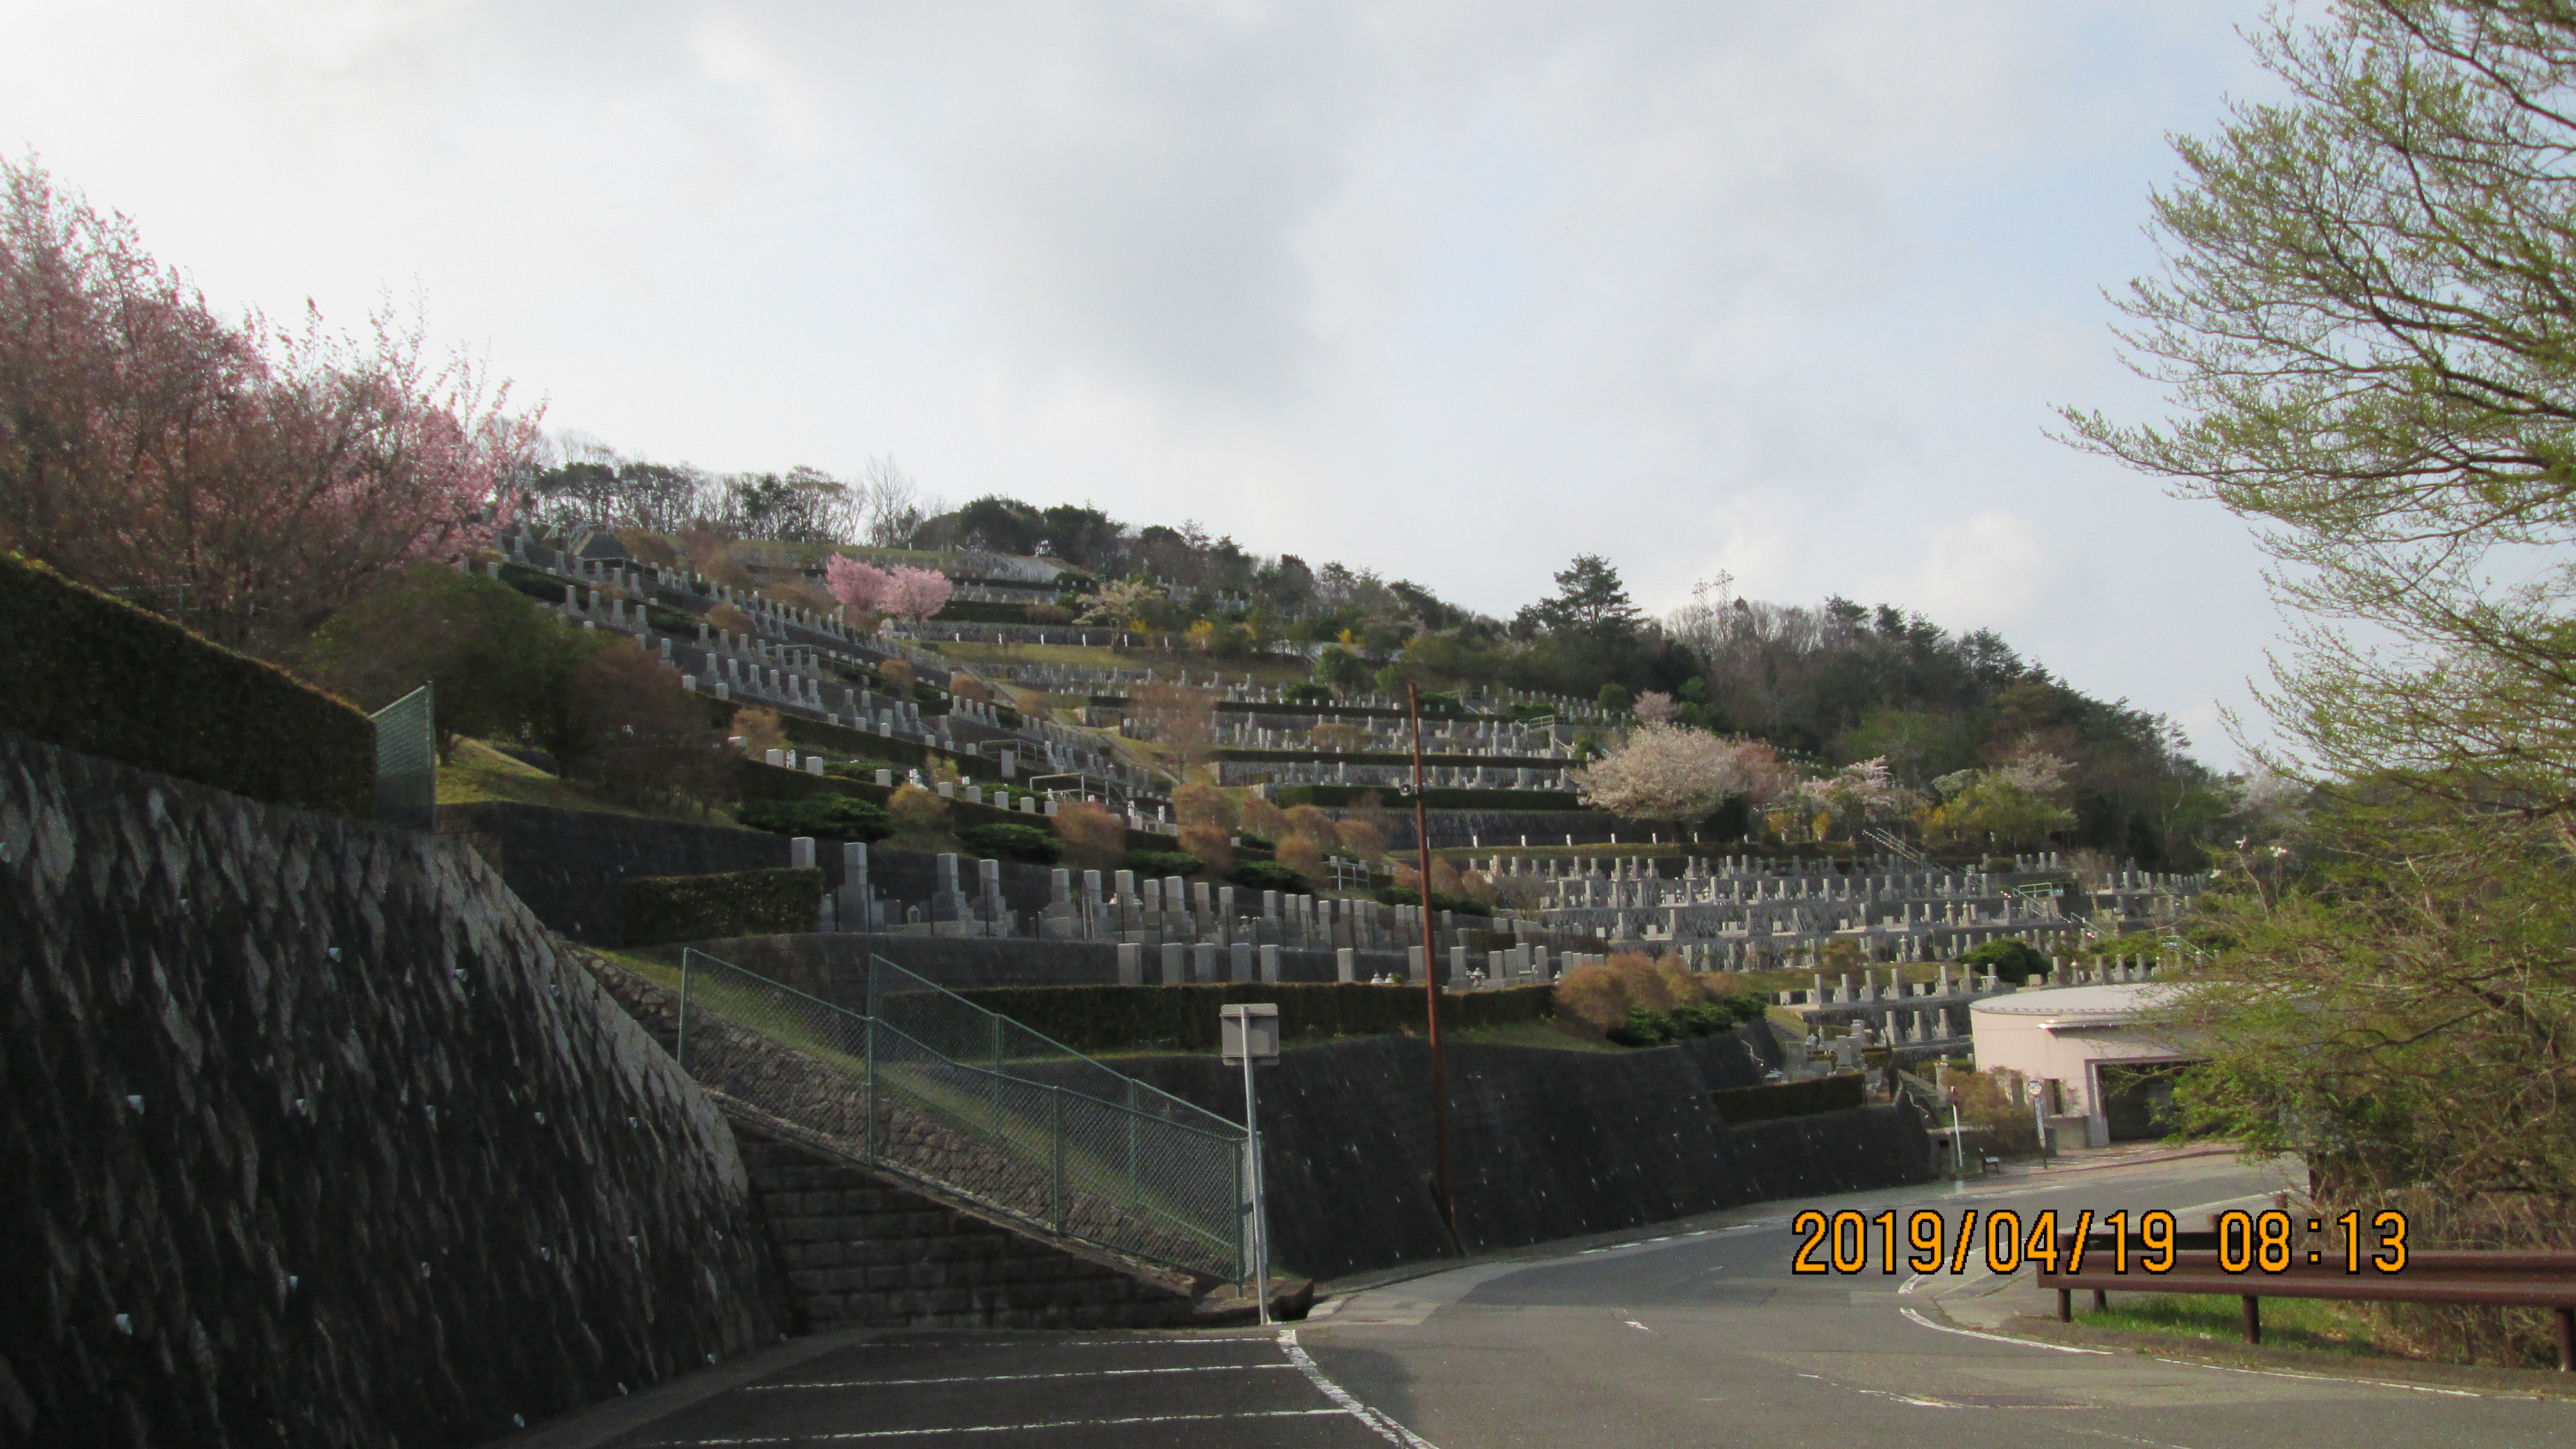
column 1100, row 1157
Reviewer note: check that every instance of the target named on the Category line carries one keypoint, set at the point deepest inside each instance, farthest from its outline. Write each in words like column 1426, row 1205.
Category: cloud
column 1450, row 291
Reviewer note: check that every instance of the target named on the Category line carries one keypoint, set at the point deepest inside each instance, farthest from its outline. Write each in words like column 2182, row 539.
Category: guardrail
column 2235, row 1264
column 933, row 1087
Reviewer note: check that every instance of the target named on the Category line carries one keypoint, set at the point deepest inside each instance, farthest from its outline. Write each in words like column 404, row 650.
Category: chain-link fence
column 407, row 762
column 935, row 1087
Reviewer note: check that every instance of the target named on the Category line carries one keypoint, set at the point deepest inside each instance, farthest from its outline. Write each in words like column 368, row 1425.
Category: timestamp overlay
column 2004, row 1240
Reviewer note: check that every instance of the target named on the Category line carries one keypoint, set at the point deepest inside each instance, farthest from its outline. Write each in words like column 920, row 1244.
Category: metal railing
column 1889, row 842
column 407, row 762
column 931, row 1086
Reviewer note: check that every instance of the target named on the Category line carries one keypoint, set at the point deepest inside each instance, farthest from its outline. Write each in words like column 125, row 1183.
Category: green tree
column 1590, row 599
column 1341, row 669
column 502, row 665
column 2365, row 329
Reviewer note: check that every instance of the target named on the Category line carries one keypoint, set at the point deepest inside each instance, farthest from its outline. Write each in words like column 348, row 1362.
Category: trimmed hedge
column 1184, row 1018
column 1742, row 1105
column 1030, row 844
column 92, row 673
column 660, row 909
column 1439, row 797
column 1440, row 901
column 824, row 817
column 981, row 611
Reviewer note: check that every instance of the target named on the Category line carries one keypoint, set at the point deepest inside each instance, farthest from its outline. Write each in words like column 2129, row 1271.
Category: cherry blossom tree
column 916, row 593
column 248, row 478
column 1655, row 707
column 858, row 585
column 1670, row 772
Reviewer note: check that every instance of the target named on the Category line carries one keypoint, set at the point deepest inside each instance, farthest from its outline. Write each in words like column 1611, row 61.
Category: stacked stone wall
column 313, row 1135
column 859, row 1251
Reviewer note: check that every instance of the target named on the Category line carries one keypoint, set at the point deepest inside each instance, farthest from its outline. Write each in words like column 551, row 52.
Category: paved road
column 1706, row 1336
column 1691, row 1335
column 1055, row 1391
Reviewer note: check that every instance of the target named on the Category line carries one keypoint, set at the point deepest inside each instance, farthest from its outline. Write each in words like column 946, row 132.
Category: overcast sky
column 1449, row 291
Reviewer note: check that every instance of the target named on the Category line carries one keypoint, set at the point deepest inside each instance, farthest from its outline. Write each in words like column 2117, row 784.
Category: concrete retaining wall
column 1547, row 1144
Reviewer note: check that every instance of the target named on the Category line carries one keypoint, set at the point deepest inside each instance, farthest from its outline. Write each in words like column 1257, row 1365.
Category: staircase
column 928, row 1159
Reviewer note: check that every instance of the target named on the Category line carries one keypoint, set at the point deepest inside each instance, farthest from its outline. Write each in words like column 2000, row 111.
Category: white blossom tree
column 1670, row 772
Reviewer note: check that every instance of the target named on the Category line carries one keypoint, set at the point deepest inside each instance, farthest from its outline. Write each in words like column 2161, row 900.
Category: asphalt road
column 1692, row 1334
column 1704, row 1336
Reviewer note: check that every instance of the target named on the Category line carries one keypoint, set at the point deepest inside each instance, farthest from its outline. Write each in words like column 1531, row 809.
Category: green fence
column 934, row 1087
column 407, row 762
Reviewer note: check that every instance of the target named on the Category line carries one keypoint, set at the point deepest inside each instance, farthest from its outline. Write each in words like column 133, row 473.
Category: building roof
column 2082, row 1006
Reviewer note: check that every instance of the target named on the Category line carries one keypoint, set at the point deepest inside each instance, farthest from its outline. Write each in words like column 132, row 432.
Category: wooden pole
column 1431, row 974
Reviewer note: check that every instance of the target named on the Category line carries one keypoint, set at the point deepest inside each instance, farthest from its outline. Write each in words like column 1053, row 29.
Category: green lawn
column 476, row 772
column 2319, row 1325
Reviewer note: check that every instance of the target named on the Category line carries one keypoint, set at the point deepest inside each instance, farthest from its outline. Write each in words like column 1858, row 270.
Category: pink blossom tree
column 917, row 593
column 858, row 585
column 247, row 478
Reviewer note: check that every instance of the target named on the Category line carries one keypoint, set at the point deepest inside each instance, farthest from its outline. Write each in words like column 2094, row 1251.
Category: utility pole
column 1431, row 973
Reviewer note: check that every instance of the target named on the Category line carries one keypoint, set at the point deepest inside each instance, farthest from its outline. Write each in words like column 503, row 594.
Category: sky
column 1781, row 291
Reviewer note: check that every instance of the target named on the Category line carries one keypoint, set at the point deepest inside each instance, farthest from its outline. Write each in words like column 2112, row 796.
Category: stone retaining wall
column 313, row 1135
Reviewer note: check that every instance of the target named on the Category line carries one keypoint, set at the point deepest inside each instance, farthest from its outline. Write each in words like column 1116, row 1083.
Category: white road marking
column 1215, row 1368
column 1999, row 1338
column 2121, row 1438
column 1632, row 1323
column 1903, row 1398
column 811, row 1437
column 1387, row 1429
column 2340, row 1379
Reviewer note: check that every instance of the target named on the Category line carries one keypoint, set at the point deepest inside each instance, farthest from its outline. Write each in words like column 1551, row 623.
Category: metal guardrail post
column 680, row 1048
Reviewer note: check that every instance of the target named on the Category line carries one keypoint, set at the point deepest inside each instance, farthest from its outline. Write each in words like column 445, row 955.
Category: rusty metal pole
column 1431, row 973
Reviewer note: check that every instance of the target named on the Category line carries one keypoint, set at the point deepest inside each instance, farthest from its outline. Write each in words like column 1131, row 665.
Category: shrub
column 1090, row 831
column 1405, row 895
column 824, row 817
column 917, row 812
column 631, row 729
column 2015, row 961
column 665, row 908
column 502, row 667
column 95, row 674
column 1198, row 803
column 1771, row 1102
column 1161, row 862
column 1271, row 875
column 1301, row 854
column 759, row 731
column 999, row 841
column 1607, row 994
column 1210, row 844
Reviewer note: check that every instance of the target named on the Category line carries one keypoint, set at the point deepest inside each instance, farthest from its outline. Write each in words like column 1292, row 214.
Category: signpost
column 1249, row 1033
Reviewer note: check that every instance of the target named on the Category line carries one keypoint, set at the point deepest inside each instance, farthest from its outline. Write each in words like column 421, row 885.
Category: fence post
column 997, row 1077
column 1055, row 1133
column 869, row 1139
column 680, row 1048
